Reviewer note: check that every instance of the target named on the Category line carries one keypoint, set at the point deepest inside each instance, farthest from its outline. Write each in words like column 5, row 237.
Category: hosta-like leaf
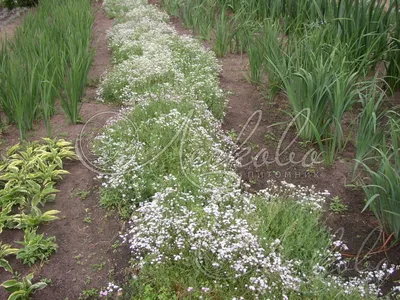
column 11, row 285
column 38, row 286
column 63, row 143
column 19, row 295
column 7, row 250
column 28, row 280
column 13, row 149
column 5, row 265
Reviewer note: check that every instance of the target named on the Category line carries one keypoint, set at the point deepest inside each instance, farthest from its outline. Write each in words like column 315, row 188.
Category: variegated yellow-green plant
column 22, row 289
column 6, row 250
column 28, row 174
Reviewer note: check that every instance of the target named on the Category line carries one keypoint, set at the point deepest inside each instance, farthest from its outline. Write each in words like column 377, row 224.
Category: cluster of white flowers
column 166, row 230
column 171, row 84
column 154, row 62
column 307, row 196
column 110, row 290
column 115, row 8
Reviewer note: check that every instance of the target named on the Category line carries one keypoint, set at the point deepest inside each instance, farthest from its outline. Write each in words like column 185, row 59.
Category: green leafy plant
column 370, row 119
column 256, row 59
column 6, row 250
column 5, row 216
column 223, row 34
column 36, row 247
column 34, row 218
column 337, row 205
column 89, row 294
column 21, row 290
column 39, row 64
column 383, row 190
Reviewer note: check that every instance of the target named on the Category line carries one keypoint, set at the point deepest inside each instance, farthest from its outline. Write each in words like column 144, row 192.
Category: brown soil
column 88, row 255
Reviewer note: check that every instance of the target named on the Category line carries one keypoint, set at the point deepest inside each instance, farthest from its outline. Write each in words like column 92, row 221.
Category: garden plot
column 89, row 254
column 187, row 220
column 200, row 222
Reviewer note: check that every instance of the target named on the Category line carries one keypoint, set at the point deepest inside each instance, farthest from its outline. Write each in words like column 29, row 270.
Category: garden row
column 47, row 59
column 322, row 55
column 28, row 175
column 167, row 166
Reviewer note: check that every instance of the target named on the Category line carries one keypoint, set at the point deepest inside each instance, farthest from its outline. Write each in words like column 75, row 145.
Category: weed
column 88, row 217
column 99, row 266
column 88, row 280
column 89, row 294
column 337, row 206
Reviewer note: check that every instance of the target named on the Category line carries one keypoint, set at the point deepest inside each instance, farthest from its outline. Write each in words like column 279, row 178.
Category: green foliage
column 79, row 58
column 393, row 55
column 36, row 247
column 256, row 59
column 34, row 218
column 383, row 190
column 89, row 294
column 370, row 120
column 194, row 232
column 165, row 134
column 10, row 4
column 6, row 250
column 316, row 52
column 28, row 173
column 337, row 206
column 41, row 61
column 21, row 290
column 298, row 229
column 223, row 34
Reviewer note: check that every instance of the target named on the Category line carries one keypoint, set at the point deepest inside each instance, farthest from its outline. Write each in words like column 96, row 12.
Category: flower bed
column 194, row 230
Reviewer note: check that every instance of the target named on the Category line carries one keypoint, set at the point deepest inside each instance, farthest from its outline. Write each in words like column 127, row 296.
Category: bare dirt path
column 89, row 255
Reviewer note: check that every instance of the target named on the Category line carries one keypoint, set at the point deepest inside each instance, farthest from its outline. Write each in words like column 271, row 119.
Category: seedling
column 99, row 266
column 88, row 217
column 233, row 134
column 89, row 294
column 337, row 206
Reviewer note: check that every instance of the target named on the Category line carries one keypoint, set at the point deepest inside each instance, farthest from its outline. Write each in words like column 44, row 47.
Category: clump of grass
column 223, row 34
column 370, row 120
column 42, row 61
column 383, row 190
column 256, row 59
